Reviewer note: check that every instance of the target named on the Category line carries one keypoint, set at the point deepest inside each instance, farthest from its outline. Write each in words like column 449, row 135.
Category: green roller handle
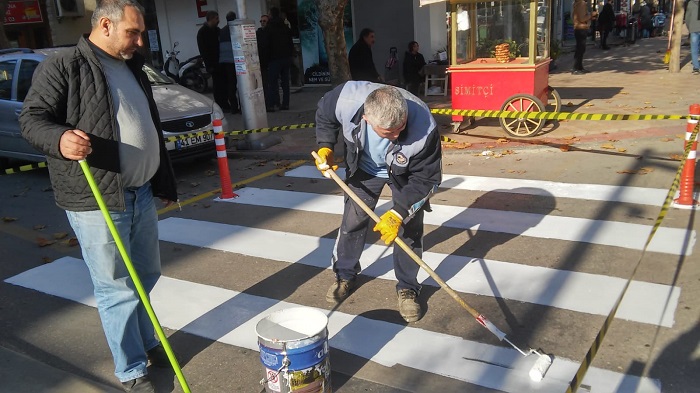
column 134, row 277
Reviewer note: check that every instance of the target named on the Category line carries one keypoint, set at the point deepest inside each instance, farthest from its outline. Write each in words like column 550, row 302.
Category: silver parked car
column 182, row 111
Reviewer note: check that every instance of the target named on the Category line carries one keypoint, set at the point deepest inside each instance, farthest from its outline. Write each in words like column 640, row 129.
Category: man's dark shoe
column 139, row 385
column 696, row 71
column 340, row 290
column 158, row 357
column 577, row 72
column 408, row 306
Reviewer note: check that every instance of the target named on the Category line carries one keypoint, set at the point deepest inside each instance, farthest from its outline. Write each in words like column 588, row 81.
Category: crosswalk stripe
column 593, row 192
column 230, row 317
column 644, row 302
column 610, row 233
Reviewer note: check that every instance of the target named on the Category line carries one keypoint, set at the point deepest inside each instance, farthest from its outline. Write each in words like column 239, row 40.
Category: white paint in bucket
column 294, row 350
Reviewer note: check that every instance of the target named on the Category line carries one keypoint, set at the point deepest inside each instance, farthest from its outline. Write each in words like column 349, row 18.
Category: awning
column 427, row 2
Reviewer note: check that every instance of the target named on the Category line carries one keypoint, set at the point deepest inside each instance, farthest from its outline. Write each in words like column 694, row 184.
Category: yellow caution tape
column 593, row 350
column 24, row 168
column 552, row 115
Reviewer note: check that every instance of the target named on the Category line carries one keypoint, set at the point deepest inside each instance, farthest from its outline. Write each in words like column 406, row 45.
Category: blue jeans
column 694, row 47
column 353, row 232
column 126, row 324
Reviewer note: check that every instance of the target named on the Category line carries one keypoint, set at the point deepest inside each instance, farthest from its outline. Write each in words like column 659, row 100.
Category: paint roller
column 538, row 370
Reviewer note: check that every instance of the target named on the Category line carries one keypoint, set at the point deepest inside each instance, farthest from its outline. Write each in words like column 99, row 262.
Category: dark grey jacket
column 414, row 160
column 69, row 91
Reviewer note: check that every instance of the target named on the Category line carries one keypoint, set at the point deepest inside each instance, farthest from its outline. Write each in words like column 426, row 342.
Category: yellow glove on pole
column 388, row 225
column 325, row 161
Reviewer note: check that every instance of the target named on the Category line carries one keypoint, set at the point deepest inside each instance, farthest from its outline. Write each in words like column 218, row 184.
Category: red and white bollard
column 222, row 158
column 687, row 184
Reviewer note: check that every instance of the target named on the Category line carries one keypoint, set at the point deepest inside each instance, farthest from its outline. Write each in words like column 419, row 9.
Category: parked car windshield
column 155, row 77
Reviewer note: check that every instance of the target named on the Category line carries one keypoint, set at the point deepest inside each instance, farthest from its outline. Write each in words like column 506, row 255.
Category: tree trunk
column 674, row 64
column 4, row 42
column 331, row 21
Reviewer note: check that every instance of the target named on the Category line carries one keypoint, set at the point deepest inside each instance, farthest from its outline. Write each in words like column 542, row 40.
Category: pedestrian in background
column 281, row 50
column 263, row 52
column 94, row 102
column 606, row 22
column 413, row 62
column 390, row 138
column 360, row 58
column 692, row 22
column 228, row 66
column 582, row 20
column 208, row 44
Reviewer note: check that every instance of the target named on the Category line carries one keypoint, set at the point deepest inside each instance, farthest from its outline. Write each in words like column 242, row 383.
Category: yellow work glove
column 388, row 225
column 326, row 161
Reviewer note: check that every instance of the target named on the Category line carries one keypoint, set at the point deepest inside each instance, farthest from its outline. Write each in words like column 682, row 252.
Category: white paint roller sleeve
column 540, row 368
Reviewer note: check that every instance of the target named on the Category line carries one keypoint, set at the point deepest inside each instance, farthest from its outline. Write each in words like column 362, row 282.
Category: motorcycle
column 191, row 73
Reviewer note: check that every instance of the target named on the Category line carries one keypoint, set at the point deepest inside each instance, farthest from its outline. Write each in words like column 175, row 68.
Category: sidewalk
column 628, row 79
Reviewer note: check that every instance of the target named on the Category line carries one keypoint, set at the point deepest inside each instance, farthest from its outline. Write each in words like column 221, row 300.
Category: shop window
column 7, row 70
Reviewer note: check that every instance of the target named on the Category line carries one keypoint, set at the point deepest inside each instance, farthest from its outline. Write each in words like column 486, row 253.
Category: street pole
column 250, row 87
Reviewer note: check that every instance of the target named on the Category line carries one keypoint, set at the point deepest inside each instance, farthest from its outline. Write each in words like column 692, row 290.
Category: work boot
column 158, row 357
column 408, row 306
column 139, row 385
column 340, row 290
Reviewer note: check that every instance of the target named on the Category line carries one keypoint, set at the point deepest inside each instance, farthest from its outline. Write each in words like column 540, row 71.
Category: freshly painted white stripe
column 594, row 192
column 582, row 292
column 230, row 317
column 610, row 233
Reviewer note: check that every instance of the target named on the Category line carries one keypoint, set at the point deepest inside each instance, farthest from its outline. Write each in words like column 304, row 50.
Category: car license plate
column 193, row 141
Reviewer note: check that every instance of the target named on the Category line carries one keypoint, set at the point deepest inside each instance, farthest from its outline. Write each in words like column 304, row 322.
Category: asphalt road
column 527, row 243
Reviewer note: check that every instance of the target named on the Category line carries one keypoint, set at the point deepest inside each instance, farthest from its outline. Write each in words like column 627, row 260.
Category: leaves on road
column 9, row 219
column 640, row 171
column 43, row 242
column 60, row 235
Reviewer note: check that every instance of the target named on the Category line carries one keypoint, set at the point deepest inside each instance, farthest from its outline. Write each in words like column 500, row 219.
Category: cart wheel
column 522, row 127
column 553, row 102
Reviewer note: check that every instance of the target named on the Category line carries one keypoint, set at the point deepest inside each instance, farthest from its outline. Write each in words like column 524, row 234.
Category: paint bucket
column 294, row 350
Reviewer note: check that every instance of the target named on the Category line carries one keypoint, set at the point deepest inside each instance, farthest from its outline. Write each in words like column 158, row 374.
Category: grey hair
column 113, row 10
column 386, row 108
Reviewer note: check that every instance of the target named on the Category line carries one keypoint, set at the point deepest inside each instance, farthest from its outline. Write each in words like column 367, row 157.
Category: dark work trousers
column 278, row 69
column 219, row 81
column 580, row 35
column 229, row 71
column 353, row 232
column 604, row 38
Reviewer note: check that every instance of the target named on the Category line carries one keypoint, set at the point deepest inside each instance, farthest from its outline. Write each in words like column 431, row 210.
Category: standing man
column 390, row 138
column 582, row 21
column 263, row 52
column 692, row 21
column 606, row 22
column 93, row 102
column 360, row 58
column 228, row 66
column 281, row 50
column 208, row 44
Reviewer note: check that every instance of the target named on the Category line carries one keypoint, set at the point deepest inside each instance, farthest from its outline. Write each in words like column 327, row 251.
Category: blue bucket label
column 299, row 358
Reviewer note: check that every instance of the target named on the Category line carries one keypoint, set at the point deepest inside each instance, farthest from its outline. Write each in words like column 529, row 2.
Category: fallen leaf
column 505, row 152
column 72, row 242
column 42, row 242
column 589, row 105
column 46, row 259
column 39, row 227
column 607, row 146
column 647, row 102
column 206, row 205
column 60, row 235
column 569, row 103
column 564, row 147
column 621, row 150
column 572, row 138
column 676, row 157
column 667, row 139
column 502, row 140
column 613, row 140
column 9, row 219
